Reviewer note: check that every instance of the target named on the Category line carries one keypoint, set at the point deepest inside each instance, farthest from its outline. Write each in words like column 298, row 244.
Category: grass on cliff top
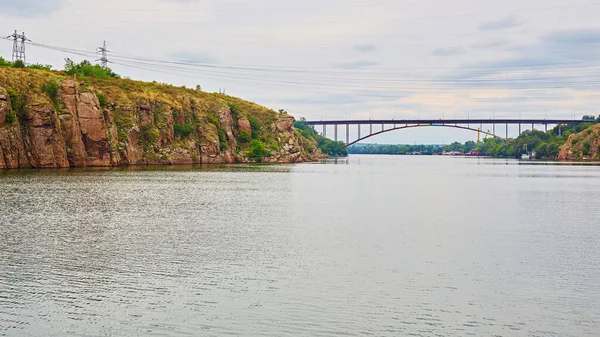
column 125, row 92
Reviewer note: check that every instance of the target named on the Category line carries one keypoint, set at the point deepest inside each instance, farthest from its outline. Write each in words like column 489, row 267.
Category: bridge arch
column 423, row 125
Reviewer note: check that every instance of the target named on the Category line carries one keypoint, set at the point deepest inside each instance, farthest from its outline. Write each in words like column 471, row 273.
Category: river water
column 370, row 245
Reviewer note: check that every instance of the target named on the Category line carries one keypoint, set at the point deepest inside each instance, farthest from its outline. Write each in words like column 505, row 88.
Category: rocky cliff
column 584, row 145
column 48, row 120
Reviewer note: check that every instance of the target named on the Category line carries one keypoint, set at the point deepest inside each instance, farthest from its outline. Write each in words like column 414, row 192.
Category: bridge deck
column 448, row 121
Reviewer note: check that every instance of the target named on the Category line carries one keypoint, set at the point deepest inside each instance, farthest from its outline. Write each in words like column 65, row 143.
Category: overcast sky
column 343, row 59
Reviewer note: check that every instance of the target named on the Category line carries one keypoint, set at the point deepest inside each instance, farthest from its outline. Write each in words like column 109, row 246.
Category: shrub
column 183, row 130
column 244, row 137
column 85, row 68
column 19, row 64
column 148, row 136
column 101, row 99
column 586, row 149
column 212, row 119
column 38, row 66
column 5, row 63
column 10, row 116
column 18, row 101
column 51, row 89
column 235, row 110
column 257, row 150
column 255, row 126
column 222, row 138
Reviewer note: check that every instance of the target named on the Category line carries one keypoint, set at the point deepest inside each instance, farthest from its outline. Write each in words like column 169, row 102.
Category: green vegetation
column 148, row 137
column 19, row 65
column 258, row 150
column 101, row 100
column 327, row 146
column 545, row 144
column 85, row 68
column 51, row 89
column 18, row 102
column 10, row 116
column 183, row 131
column 396, row 149
column 244, row 137
column 255, row 126
column 412, row 149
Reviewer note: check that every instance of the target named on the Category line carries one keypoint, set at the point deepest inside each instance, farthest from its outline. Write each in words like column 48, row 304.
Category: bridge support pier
column 506, row 130
column 370, row 129
column 325, row 130
column 519, row 129
column 532, row 127
column 335, row 132
column 358, row 131
column 347, row 134
column 546, row 127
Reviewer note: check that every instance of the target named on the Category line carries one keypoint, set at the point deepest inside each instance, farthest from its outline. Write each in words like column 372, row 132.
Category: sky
column 333, row 59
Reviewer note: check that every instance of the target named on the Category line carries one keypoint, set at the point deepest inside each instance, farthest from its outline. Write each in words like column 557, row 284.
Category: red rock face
column 47, row 148
column 12, row 149
column 244, row 125
column 84, row 128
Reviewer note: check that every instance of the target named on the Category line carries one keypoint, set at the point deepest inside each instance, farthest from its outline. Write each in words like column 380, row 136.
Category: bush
column 586, row 149
column 85, row 68
column 18, row 101
column 38, row 66
column 255, row 126
column 5, row 63
column 101, row 100
column 244, row 137
column 183, row 130
column 235, row 110
column 213, row 119
column 51, row 89
column 10, row 116
column 257, row 150
column 18, row 64
column 222, row 138
column 148, row 136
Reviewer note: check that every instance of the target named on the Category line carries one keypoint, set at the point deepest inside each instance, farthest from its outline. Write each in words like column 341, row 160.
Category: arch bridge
column 387, row 125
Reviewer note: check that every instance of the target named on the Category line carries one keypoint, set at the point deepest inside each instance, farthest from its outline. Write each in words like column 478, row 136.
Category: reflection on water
column 367, row 245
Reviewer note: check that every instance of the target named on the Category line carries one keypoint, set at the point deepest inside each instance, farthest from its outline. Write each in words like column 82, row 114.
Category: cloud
column 365, row 48
column 336, row 99
column 490, row 44
column 450, row 51
column 29, row 8
column 509, row 22
column 193, row 57
column 534, row 66
column 356, row 65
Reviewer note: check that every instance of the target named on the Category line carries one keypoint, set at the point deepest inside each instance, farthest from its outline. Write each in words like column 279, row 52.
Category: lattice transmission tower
column 19, row 46
column 103, row 55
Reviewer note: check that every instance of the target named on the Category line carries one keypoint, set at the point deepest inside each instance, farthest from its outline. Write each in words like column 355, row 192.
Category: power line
column 539, row 82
